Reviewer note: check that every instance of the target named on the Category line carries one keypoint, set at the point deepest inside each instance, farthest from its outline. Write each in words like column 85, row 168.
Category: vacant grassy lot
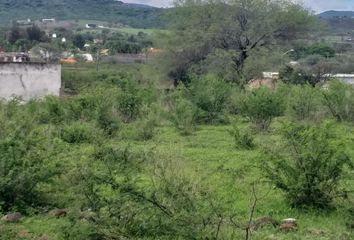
column 211, row 158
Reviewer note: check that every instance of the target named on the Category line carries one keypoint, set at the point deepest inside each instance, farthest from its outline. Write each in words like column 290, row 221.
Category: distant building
column 104, row 52
column 346, row 78
column 8, row 57
column 63, row 40
column 54, row 35
column 48, row 20
column 69, row 60
column 87, row 56
column 97, row 41
column 91, row 25
column 24, row 22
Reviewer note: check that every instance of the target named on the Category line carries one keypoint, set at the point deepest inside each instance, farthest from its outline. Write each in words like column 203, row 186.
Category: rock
column 317, row 232
column 59, row 212
column 289, row 220
column 264, row 221
column 43, row 237
column 87, row 215
column 288, row 225
column 12, row 217
column 23, row 234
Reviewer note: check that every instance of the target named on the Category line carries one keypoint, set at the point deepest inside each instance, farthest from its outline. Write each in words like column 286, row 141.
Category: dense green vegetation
column 33, row 39
column 125, row 154
column 128, row 160
column 139, row 16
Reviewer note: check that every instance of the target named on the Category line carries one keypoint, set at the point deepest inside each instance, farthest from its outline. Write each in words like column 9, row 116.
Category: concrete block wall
column 29, row 80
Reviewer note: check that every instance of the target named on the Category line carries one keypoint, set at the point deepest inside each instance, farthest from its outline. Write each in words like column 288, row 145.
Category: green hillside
column 141, row 16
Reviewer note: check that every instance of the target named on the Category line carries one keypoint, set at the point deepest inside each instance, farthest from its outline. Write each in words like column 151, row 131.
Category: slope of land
column 135, row 15
column 332, row 13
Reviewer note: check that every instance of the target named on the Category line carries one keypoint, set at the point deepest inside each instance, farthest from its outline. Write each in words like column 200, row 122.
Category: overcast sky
column 316, row 5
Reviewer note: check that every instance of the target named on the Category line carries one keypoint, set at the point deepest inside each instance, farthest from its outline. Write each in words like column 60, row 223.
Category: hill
column 334, row 14
column 338, row 21
column 135, row 15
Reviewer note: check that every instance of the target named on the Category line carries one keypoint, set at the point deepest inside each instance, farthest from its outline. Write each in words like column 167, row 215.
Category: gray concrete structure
column 29, row 80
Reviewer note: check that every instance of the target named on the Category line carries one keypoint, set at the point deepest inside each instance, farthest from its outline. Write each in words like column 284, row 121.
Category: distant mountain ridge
column 333, row 13
column 135, row 15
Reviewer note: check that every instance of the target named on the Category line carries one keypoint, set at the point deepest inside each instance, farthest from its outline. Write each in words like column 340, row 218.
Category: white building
column 48, row 20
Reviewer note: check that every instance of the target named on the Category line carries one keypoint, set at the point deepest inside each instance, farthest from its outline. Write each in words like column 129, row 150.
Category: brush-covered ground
column 208, row 157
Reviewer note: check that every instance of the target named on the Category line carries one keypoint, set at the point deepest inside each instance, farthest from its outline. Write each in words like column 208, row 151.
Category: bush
column 184, row 116
column 108, row 121
column 307, row 165
column 130, row 103
column 243, row 138
column 78, row 132
column 261, row 105
column 304, row 102
column 211, row 95
column 26, row 161
column 290, row 75
column 146, row 129
column 54, row 112
column 339, row 98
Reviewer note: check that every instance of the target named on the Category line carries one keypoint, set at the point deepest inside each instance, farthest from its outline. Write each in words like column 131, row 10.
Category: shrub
column 243, row 138
column 54, row 112
column 146, row 129
column 304, row 102
column 78, row 132
column 108, row 121
column 211, row 95
column 130, row 102
column 184, row 116
column 290, row 75
column 25, row 163
column 307, row 165
column 261, row 105
column 82, row 107
column 339, row 98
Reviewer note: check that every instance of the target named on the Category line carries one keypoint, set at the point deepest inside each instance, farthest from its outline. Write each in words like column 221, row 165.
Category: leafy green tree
column 291, row 75
column 23, row 45
column 307, row 164
column 78, row 41
column 321, row 49
column 34, row 33
column 236, row 27
column 14, row 34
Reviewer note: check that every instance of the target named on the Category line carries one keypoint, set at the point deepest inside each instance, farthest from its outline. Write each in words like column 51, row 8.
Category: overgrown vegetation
column 125, row 155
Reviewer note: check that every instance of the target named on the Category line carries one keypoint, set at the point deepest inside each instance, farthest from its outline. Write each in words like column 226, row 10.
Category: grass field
column 115, row 28
column 210, row 157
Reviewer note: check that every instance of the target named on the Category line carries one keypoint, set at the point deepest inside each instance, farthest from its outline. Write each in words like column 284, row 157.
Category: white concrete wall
column 29, row 80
